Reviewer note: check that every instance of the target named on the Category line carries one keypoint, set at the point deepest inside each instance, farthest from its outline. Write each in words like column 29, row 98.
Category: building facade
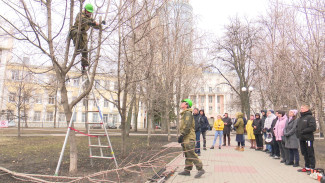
column 38, row 99
column 215, row 96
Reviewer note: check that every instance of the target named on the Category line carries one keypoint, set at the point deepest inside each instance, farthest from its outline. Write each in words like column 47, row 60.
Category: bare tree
column 34, row 23
column 234, row 53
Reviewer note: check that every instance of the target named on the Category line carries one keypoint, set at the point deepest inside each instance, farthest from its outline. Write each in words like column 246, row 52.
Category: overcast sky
column 212, row 15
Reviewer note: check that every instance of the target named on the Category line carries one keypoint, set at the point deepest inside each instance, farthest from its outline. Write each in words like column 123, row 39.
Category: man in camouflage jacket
column 187, row 138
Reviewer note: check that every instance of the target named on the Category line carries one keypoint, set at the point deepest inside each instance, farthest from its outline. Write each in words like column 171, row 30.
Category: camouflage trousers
column 191, row 156
column 82, row 46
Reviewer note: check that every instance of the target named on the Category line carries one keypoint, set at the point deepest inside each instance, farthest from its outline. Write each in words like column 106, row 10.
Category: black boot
column 199, row 173
column 185, row 173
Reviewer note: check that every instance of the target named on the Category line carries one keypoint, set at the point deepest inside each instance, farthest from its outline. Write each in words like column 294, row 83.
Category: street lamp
column 247, row 97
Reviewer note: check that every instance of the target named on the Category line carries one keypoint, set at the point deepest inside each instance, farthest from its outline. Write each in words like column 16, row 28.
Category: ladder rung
column 101, row 134
column 103, row 157
column 99, row 146
column 94, row 123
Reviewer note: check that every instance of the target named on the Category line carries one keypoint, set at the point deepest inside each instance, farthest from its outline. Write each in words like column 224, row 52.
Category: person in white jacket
column 267, row 127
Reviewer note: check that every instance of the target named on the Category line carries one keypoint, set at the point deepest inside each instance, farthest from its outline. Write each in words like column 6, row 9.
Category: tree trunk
column 135, row 114
column 129, row 118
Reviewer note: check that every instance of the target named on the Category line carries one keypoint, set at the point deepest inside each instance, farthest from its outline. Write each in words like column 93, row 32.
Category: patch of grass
column 39, row 155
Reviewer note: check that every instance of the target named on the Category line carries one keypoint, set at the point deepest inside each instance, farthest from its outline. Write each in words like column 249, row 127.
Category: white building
column 215, row 96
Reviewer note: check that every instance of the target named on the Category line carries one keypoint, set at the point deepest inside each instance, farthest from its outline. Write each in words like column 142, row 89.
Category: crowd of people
column 281, row 133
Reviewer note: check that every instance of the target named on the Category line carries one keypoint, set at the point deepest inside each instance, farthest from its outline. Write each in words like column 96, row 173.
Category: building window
column 114, row 119
column 107, row 84
column 218, row 89
column 12, row 97
column 95, row 117
column 106, row 103
column 49, row 116
column 26, row 60
column 61, row 117
column 115, row 104
column 105, row 118
column 210, row 99
column 37, row 116
column 83, row 117
column 97, row 83
column 76, row 82
column 202, row 99
column 218, row 99
column 194, row 99
column 15, row 75
column 210, row 89
column 210, row 109
column 202, row 89
column 51, row 99
column 115, row 85
column 38, row 99
column 74, row 117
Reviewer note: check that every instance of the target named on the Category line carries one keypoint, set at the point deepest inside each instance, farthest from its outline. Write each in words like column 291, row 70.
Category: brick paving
column 226, row 165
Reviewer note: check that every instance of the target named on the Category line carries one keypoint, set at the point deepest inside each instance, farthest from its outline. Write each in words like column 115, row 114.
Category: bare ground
column 39, row 155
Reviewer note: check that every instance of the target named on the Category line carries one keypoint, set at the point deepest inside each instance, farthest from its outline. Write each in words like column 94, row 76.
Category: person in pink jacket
column 279, row 134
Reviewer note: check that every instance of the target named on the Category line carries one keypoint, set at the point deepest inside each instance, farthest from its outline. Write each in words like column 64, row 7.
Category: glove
column 92, row 23
column 104, row 22
column 180, row 139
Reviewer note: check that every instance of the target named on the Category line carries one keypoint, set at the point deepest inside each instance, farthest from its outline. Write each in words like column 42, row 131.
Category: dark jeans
column 197, row 144
column 259, row 140
column 307, row 150
column 275, row 147
column 204, row 138
column 283, row 151
column 242, row 144
column 294, row 156
column 225, row 140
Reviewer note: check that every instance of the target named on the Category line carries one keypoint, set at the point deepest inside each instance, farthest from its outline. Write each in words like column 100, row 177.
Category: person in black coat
column 196, row 117
column 306, row 126
column 257, row 125
column 226, row 130
column 275, row 146
column 204, row 127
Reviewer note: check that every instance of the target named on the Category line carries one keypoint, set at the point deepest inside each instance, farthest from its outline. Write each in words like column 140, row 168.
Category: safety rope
column 82, row 132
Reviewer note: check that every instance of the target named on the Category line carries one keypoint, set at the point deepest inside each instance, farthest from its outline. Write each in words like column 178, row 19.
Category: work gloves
column 180, row 139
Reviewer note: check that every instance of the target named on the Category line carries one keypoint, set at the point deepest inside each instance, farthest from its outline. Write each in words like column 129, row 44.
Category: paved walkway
column 229, row 166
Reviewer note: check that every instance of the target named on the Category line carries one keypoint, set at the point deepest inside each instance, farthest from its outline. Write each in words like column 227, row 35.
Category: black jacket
column 273, row 125
column 227, row 128
column 306, row 126
column 197, row 123
column 258, row 124
column 204, row 123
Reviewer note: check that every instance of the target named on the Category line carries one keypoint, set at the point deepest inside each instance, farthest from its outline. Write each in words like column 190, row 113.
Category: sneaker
column 219, row 147
column 304, row 170
column 212, row 147
column 241, row 149
column 276, row 157
column 223, row 144
column 272, row 155
column 265, row 150
column 185, row 173
column 199, row 173
column 237, row 148
column 296, row 165
column 204, row 148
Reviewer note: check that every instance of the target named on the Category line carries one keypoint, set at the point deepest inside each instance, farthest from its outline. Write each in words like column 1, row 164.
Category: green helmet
column 188, row 101
column 89, row 8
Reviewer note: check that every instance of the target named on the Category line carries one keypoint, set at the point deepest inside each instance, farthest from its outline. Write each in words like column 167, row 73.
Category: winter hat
column 295, row 112
column 271, row 111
